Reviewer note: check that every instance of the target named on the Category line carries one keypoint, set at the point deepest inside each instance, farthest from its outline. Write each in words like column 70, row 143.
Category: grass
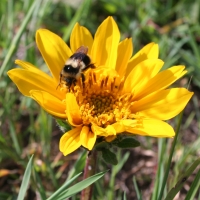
column 25, row 129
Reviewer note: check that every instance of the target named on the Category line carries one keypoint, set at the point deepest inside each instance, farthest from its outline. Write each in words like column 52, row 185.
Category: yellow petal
column 70, row 141
column 27, row 80
column 54, row 51
column 161, row 81
column 149, row 127
column 106, row 40
column 108, row 131
column 141, row 74
column 50, row 103
column 119, row 127
column 87, row 137
column 28, row 66
column 163, row 105
column 73, row 112
column 110, row 138
column 80, row 36
column 125, row 50
column 150, row 51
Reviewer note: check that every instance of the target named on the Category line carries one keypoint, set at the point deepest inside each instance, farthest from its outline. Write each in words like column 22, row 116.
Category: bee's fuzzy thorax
column 74, row 68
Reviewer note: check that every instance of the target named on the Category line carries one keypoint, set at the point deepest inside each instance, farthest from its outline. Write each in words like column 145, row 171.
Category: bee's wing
column 82, row 49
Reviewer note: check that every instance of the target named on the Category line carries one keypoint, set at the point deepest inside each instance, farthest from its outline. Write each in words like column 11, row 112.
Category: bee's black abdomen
column 70, row 69
column 86, row 60
column 81, row 56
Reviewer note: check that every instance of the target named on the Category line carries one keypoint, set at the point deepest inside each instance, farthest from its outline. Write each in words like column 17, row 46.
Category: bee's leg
column 59, row 81
column 69, row 84
column 83, row 79
column 92, row 66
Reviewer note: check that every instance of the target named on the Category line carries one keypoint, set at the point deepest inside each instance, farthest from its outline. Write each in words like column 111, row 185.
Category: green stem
column 170, row 158
column 89, row 170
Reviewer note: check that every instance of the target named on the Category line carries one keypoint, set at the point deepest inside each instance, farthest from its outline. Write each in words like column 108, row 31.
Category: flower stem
column 89, row 170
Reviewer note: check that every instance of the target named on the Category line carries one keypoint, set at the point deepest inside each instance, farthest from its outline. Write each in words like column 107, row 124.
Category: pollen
column 101, row 102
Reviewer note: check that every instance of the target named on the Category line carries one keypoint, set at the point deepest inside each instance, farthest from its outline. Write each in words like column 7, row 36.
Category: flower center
column 101, row 102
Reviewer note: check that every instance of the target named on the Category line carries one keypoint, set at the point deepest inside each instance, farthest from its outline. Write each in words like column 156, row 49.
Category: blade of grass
column 4, row 195
column 9, row 151
column 194, row 187
column 187, row 152
column 17, row 37
column 7, row 103
column 25, row 180
column 14, row 138
column 83, row 10
column 182, row 180
column 63, row 187
column 170, row 158
column 80, row 186
column 160, row 171
column 51, row 173
column 39, row 185
column 194, row 45
column 39, row 12
column 44, row 133
column 197, row 110
column 98, row 189
column 124, row 197
column 138, row 193
column 1, row 25
column 10, row 19
column 115, row 170
column 79, row 165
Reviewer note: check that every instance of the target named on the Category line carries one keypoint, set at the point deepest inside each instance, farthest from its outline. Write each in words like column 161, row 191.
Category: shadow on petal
column 73, row 112
column 149, row 127
column 88, row 138
column 50, row 103
column 70, row 141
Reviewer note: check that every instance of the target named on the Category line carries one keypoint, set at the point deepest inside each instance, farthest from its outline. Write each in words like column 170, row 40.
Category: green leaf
column 162, row 148
column 101, row 145
column 123, row 159
column 78, row 165
column 79, row 186
column 40, row 187
column 55, row 195
column 128, row 142
column 109, row 157
column 25, row 180
column 9, row 151
column 194, row 187
column 164, row 182
column 64, row 126
column 182, row 180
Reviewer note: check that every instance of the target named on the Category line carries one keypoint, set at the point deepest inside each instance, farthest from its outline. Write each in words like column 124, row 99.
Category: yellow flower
column 123, row 94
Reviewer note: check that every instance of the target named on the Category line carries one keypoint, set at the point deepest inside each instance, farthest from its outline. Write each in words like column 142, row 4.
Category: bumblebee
column 74, row 67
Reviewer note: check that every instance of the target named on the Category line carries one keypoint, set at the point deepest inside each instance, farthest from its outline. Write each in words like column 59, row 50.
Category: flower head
column 124, row 93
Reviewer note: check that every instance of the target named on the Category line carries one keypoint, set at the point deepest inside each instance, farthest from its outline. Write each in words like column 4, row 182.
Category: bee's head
column 69, row 80
column 70, row 69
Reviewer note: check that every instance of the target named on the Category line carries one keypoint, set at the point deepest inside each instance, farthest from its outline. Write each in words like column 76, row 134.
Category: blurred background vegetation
column 25, row 129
